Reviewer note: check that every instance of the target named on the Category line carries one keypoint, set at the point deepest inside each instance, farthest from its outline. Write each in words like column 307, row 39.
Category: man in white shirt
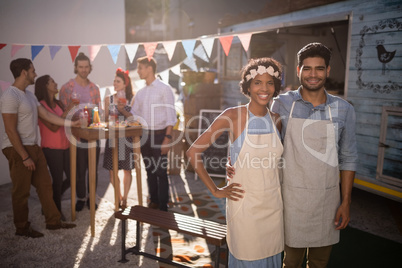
column 154, row 105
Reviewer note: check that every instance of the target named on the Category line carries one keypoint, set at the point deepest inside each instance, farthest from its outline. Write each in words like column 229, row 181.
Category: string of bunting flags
column 202, row 51
column 131, row 49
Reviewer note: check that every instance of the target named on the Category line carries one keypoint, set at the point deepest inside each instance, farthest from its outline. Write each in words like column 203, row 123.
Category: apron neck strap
column 291, row 110
column 329, row 112
column 247, row 117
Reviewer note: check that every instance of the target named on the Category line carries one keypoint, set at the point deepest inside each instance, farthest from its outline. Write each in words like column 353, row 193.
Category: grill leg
column 137, row 239
column 123, row 242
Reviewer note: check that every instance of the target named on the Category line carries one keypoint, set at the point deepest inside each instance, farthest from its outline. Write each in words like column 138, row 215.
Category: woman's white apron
column 255, row 222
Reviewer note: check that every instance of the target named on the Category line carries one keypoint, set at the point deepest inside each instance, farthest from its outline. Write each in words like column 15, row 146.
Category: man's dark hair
column 148, row 62
column 17, row 65
column 314, row 50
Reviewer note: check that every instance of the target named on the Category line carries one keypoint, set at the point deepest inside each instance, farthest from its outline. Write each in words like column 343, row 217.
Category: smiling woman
column 54, row 142
column 254, row 136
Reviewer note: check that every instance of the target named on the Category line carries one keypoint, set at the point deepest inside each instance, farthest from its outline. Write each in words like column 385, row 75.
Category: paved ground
column 369, row 212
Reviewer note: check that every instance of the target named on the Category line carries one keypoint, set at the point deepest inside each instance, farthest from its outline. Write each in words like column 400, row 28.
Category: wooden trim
column 386, row 111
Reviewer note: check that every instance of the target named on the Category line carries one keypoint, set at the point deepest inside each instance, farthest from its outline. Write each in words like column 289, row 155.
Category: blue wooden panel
column 372, row 105
column 367, row 166
column 371, row 93
column 367, row 149
column 368, row 129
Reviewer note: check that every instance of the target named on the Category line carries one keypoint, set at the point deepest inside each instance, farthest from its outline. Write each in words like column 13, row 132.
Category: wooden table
column 92, row 135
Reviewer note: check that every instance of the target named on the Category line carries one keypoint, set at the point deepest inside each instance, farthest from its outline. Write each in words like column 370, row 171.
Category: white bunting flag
column 131, row 50
column 169, row 46
column 208, row 44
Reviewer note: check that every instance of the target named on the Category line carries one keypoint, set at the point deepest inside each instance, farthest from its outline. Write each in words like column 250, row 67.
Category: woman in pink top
column 54, row 142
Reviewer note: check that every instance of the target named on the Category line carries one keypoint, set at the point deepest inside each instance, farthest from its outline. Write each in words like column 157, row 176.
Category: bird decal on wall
column 383, row 55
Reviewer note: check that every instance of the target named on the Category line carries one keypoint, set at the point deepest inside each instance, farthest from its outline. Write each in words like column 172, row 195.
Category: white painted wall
column 59, row 22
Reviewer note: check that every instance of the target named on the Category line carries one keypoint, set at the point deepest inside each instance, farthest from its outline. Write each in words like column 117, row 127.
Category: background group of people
column 30, row 164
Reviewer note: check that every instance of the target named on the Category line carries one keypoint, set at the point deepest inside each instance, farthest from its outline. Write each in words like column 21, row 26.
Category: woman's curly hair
column 253, row 64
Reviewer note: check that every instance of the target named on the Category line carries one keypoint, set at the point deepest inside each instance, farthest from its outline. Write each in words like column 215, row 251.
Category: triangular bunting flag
column 131, row 50
column 208, row 44
column 35, row 50
column 176, row 69
column 73, row 51
column 15, row 48
column 189, row 47
column 245, row 40
column 190, row 62
column 53, row 50
column 150, row 49
column 226, row 42
column 200, row 53
column 114, row 51
column 93, row 51
column 165, row 76
column 2, row 45
column 169, row 48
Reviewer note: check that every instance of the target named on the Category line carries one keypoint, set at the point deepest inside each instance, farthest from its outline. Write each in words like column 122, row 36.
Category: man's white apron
column 310, row 185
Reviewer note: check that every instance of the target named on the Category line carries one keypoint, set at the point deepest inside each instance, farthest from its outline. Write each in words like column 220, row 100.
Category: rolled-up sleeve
column 347, row 142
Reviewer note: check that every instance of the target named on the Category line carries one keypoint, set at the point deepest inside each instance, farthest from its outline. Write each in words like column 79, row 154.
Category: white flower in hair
column 270, row 71
column 261, row 70
column 253, row 73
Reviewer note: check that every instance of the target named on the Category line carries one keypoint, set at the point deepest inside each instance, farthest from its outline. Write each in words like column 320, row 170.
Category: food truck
column 366, row 70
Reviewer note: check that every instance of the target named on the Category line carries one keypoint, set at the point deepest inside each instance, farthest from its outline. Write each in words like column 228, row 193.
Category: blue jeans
column 156, row 167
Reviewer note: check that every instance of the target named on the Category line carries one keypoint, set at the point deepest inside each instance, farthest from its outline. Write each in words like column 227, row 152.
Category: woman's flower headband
column 261, row 70
column 125, row 74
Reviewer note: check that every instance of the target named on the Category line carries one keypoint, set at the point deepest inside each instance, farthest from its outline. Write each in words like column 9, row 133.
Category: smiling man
column 318, row 130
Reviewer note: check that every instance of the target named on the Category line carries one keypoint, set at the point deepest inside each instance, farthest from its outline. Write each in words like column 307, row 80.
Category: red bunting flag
column 15, row 48
column 226, row 42
column 150, row 49
column 93, row 51
column 73, row 51
column 2, row 45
